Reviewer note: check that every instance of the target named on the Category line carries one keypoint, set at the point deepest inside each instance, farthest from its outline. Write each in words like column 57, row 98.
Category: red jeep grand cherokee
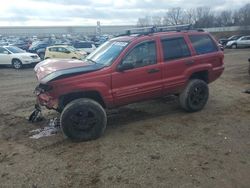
column 125, row 70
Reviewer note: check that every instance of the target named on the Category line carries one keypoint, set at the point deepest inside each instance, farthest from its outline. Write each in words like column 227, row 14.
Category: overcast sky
column 87, row 12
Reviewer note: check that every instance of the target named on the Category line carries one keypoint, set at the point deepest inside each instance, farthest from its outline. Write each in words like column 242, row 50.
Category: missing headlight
column 41, row 88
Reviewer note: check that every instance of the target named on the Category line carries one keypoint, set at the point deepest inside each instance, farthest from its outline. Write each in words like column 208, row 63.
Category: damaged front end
column 48, row 72
column 43, row 99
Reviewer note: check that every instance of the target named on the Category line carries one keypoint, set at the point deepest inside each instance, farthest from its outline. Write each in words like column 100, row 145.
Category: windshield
column 107, row 52
column 234, row 37
column 14, row 49
column 35, row 44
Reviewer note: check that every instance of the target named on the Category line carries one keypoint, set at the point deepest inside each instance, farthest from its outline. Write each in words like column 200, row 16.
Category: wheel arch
column 202, row 75
column 67, row 98
column 15, row 58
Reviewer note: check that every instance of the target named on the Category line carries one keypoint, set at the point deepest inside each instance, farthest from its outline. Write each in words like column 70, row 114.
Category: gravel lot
column 150, row 144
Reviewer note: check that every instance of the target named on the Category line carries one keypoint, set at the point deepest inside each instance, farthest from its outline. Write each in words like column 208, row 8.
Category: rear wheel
column 195, row 96
column 83, row 119
column 17, row 64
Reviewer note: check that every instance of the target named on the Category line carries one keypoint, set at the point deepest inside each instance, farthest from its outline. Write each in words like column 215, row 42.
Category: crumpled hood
column 52, row 69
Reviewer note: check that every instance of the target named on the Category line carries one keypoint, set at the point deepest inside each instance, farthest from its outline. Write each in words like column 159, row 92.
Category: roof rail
column 149, row 30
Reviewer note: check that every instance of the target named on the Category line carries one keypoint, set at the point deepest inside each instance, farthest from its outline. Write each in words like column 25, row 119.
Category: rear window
column 175, row 48
column 203, row 44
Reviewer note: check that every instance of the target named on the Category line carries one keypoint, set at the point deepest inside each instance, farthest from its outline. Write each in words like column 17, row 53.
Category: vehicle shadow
column 143, row 111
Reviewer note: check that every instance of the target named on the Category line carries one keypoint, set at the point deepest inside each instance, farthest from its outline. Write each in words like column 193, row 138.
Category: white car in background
column 242, row 42
column 16, row 57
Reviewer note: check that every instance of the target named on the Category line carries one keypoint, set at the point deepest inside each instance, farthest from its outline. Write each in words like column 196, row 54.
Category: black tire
column 234, row 46
column 17, row 64
column 74, row 58
column 83, row 119
column 195, row 96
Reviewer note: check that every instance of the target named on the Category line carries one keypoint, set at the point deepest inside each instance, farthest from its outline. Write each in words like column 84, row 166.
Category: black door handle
column 153, row 71
column 189, row 62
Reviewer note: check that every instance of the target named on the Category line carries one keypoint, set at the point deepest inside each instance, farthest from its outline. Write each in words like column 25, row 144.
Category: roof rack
column 149, row 30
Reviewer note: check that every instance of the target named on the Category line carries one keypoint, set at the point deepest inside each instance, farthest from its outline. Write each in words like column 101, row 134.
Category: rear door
column 143, row 81
column 176, row 59
column 242, row 42
column 207, row 52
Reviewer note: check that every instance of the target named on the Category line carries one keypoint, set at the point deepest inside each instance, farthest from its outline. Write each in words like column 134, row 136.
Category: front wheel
column 234, row 46
column 83, row 119
column 195, row 96
column 17, row 64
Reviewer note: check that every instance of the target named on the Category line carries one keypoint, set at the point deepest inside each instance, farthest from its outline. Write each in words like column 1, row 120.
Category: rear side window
column 53, row 49
column 175, row 48
column 203, row 44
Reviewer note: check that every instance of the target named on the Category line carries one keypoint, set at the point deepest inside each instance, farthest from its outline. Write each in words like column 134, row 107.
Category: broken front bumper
column 44, row 98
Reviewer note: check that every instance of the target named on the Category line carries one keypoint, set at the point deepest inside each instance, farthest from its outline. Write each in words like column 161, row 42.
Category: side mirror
column 125, row 66
column 67, row 52
column 221, row 47
column 6, row 52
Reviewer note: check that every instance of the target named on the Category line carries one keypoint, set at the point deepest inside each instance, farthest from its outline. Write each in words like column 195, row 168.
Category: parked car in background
column 224, row 41
column 24, row 45
column 64, row 52
column 16, row 57
column 87, row 46
column 39, row 45
column 2, row 43
column 242, row 42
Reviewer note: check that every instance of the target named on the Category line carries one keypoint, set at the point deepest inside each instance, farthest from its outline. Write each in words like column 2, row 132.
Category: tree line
column 201, row 17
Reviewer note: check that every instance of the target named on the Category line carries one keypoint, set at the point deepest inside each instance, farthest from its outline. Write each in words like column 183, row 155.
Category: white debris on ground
column 52, row 129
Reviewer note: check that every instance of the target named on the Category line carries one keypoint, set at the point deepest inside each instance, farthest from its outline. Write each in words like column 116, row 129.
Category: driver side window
column 142, row 55
column 62, row 50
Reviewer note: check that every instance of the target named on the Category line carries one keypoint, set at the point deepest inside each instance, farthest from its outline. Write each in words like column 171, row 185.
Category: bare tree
column 142, row 22
column 205, row 18
column 174, row 16
column 226, row 18
column 156, row 20
column 201, row 17
column 244, row 15
column 190, row 16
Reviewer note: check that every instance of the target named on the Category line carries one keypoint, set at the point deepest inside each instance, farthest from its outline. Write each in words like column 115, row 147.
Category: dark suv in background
column 129, row 69
column 39, row 47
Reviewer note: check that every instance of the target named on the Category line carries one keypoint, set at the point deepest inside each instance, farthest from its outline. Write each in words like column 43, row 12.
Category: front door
column 5, row 56
column 143, row 80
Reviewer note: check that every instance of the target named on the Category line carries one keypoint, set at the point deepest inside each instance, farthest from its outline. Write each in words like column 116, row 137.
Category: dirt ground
column 150, row 144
